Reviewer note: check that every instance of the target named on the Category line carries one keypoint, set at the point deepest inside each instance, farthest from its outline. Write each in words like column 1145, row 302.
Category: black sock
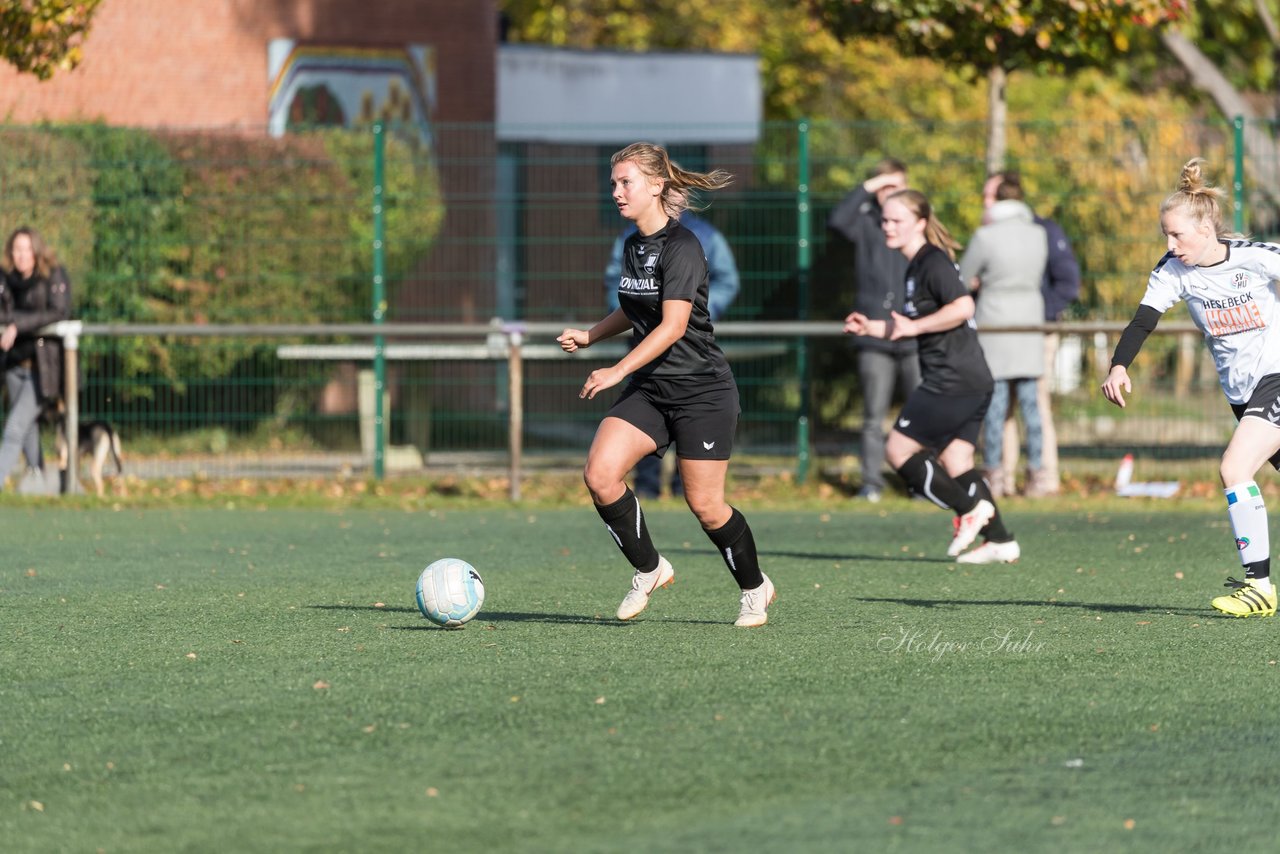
column 973, row 483
column 926, row 476
column 625, row 522
column 738, row 548
column 1258, row 569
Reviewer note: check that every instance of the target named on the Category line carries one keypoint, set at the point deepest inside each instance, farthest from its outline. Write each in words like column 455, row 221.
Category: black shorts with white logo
column 1264, row 403
column 700, row 416
column 936, row 420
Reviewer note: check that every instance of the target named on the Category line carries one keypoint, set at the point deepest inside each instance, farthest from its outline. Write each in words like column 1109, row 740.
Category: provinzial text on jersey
column 629, row 284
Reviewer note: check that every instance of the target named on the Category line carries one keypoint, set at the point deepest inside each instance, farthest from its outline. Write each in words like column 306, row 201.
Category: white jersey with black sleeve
column 1234, row 304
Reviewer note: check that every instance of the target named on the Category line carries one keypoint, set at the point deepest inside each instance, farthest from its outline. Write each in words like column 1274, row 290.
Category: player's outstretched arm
column 572, row 340
column 858, row 323
column 1117, row 385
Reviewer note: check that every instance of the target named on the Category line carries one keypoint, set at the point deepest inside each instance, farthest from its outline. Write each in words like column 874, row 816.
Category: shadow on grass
column 901, row 558
column 904, row 558
column 385, row 609
column 517, row 617
column 487, row 616
column 565, row 619
column 1103, row 607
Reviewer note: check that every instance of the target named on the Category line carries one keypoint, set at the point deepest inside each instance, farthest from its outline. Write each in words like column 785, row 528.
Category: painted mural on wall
column 346, row 86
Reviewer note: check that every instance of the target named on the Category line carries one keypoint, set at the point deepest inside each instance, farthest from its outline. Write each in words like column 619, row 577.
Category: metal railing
column 514, row 346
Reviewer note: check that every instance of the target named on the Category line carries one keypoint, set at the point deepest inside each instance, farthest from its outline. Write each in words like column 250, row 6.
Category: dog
column 95, row 440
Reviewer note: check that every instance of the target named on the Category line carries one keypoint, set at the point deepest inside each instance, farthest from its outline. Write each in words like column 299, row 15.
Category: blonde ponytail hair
column 654, row 163
column 1200, row 200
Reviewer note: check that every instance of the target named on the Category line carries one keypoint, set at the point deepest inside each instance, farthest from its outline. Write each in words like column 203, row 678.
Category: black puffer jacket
column 31, row 304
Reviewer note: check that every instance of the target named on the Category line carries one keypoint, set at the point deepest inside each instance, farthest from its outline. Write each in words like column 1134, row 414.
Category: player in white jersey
column 1227, row 285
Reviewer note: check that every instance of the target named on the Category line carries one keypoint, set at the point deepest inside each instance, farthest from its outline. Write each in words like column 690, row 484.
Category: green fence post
column 803, row 234
column 379, row 298
column 1237, row 186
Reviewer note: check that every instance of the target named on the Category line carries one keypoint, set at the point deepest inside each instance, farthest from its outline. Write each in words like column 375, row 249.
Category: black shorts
column 699, row 416
column 936, row 420
column 1264, row 403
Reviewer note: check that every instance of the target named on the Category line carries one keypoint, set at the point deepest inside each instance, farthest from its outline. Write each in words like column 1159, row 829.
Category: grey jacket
column 1007, row 257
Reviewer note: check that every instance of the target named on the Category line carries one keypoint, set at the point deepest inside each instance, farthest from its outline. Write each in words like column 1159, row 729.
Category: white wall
column 556, row 95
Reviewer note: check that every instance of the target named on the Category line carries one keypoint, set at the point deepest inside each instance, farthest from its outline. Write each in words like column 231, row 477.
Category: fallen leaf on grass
column 1129, row 824
column 320, row 685
column 599, row 701
column 432, row 792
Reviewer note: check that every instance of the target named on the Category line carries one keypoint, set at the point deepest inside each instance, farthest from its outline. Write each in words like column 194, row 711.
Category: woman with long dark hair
column 34, row 292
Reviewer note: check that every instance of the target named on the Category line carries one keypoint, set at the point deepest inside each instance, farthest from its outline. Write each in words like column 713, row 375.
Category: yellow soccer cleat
column 1247, row 601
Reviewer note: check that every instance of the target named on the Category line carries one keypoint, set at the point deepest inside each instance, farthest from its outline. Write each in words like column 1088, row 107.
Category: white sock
column 1248, row 515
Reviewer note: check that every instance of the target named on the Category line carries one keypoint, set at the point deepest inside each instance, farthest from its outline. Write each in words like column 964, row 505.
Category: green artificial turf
column 236, row 680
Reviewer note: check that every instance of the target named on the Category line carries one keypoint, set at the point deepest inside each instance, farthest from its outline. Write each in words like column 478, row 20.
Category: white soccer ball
column 450, row 592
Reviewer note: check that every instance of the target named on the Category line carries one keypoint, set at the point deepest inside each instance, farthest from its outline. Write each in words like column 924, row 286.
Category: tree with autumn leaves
column 1041, row 36
column 42, row 37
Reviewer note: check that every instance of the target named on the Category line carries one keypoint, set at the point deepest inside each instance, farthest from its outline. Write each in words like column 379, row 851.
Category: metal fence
column 502, row 397
column 186, row 249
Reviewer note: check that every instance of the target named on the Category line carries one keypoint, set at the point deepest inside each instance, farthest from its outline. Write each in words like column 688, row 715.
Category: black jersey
column 670, row 265
column 951, row 362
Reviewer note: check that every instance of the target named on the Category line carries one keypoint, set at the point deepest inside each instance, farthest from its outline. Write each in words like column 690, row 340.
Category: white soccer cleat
column 990, row 552
column 970, row 525
column 755, row 605
column 642, row 586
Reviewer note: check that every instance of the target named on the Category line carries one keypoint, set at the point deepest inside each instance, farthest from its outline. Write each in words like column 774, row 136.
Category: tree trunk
column 1273, row 36
column 1259, row 144
column 997, row 119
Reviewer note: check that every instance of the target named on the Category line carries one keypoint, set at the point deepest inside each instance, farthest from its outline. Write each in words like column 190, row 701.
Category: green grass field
column 203, row 679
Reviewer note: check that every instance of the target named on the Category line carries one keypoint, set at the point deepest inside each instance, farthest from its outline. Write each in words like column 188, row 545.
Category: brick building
column 203, row 63
column 223, row 64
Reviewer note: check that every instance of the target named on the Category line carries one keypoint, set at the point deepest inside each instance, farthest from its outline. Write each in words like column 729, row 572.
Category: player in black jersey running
column 681, row 389
column 932, row 443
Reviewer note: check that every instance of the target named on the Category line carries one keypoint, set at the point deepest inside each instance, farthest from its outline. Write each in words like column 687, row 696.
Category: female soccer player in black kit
column 944, row 414
column 681, row 389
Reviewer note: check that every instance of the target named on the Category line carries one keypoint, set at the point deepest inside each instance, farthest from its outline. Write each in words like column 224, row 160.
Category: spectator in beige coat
column 1004, row 265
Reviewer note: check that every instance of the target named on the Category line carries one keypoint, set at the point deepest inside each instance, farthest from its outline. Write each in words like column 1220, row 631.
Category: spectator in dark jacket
column 34, row 292
column 878, row 276
column 1060, row 287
